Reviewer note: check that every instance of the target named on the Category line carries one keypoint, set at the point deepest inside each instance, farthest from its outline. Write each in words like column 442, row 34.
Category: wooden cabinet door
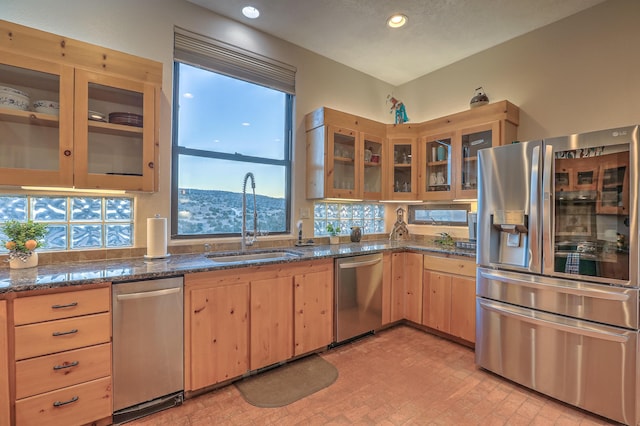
column 386, row 288
column 271, row 321
column 471, row 140
column 463, row 308
column 313, row 310
column 372, row 168
column 219, row 334
column 413, row 287
column 436, row 167
column 4, row 366
column 343, row 163
column 397, row 287
column 402, row 159
column 437, row 301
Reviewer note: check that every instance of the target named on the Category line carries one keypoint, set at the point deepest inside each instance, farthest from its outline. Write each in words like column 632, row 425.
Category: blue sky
column 223, row 114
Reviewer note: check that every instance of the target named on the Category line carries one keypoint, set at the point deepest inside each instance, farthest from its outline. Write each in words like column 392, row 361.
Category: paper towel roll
column 156, row 237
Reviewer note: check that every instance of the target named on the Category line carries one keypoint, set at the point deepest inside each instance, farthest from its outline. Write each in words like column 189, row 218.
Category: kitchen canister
column 356, row 234
column 156, row 237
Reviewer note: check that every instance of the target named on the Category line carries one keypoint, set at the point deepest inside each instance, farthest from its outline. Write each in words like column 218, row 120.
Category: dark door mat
column 288, row 383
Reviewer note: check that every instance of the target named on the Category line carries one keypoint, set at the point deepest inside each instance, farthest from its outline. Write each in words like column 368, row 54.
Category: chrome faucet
column 249, row 242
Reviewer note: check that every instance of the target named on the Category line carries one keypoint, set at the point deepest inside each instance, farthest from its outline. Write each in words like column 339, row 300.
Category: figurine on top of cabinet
column 400, row 110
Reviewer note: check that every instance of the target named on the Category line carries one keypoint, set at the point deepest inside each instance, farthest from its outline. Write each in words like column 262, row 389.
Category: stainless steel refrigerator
column 557, row 278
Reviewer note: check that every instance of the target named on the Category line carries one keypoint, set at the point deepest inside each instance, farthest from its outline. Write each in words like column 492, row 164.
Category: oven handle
column 145, row 294
column 603, row 335
column 598, row 294
column 359, row 264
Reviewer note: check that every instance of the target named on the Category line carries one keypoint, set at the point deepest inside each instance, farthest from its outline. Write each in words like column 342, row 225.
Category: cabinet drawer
column 29, row 310
column 47, row 373
column 450, row 265
column 61, row 335
column 75, row 405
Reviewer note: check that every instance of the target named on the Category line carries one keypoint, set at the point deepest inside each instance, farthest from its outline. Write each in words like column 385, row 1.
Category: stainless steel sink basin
column 254, row 257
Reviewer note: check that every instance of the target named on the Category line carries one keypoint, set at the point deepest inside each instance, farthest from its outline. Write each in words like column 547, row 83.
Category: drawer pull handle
column 61, row 403
column 68, row 305
column 63, row 366
column 63, row 333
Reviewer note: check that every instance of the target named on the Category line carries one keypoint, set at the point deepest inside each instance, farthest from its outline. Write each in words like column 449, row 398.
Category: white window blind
column 224, row 58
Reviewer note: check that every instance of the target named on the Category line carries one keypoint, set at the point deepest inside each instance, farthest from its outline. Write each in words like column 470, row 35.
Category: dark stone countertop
column 120, row 270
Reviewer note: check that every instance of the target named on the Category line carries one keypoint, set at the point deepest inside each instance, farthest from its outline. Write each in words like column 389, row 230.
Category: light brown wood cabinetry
column 313, row 307
column 271, row 321
column 345, row 155
column 244, row 319
column 449, row 296
column 403, row 166
column 387, row 278
column 5, row 406
column 406, row 292
column 63, row 357
column 67, row 148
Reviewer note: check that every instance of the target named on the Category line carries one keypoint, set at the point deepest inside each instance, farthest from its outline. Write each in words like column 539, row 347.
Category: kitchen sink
column 255, row 256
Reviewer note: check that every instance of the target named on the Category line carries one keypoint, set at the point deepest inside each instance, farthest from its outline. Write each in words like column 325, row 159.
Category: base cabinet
column 244, row 319
column 5, row 411
column 406, row 292
column 449, row 296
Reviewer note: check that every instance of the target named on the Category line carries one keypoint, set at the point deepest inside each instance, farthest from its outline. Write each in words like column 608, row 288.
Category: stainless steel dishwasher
column 358, row 296
column 147, row 347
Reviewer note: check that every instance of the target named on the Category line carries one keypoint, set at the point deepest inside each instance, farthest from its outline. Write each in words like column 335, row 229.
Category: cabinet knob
column 150, row 164
column 67, row 152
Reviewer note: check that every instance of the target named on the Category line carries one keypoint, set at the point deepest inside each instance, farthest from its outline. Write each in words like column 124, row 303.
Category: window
column 227, row 122
column 370, row 217
column 74, row 222
column 439, row 214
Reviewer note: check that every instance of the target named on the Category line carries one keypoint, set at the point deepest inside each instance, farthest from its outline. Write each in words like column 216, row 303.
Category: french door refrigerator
column 557, row 278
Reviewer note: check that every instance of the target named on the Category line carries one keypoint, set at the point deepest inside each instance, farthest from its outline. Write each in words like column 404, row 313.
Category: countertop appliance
column 358, row 296
column 557, row 295
column 147, row 347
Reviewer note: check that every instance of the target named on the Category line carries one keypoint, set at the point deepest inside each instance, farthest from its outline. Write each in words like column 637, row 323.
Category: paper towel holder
column 163, row 224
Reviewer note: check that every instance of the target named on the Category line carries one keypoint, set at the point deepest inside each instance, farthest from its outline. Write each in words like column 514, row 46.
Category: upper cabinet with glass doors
column 344, row 156
column 84, row 119
column 436, row 176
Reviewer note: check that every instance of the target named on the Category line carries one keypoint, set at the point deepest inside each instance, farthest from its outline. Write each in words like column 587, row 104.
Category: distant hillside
column 214, row 212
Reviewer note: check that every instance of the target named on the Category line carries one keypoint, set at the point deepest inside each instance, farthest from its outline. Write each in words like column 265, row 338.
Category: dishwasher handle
column 351, row 265
column 146, row 294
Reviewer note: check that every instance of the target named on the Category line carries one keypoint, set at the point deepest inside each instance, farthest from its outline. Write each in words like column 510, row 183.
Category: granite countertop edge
column 123, row 270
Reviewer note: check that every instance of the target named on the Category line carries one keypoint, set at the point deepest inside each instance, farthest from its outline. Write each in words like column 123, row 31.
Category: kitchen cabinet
column 473, row 139
column 436, row 181
column 386, row 288
column 406, row 293
column 345, row 156
column 69, row 146
column 402, row 158
column 313, row 307
column 63, row 357
column 271, row 321
column 216, row 328
column 238, row 320
column 449, row 296
column 5, row 406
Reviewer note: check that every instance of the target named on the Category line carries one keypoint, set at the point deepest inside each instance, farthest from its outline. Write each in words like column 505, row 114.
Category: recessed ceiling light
column 250, row 12
column 398, row 20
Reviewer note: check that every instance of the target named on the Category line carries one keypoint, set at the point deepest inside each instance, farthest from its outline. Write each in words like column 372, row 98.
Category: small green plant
column 23, row 237
column 445, row 240
column 333, row 231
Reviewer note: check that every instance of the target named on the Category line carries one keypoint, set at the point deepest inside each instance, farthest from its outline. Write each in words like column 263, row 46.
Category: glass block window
column 368, row 216
column 78, row 223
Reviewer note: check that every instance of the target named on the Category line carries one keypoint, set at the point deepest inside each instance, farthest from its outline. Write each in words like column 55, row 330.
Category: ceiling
column 438, row 33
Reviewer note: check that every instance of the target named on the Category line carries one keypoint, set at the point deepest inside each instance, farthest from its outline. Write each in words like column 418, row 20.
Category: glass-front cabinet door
column 436, row 178
column 114, row 132
column 372, row 167
column 403, row 182
column 342, row 169
column 36, row 122
column 472, row 140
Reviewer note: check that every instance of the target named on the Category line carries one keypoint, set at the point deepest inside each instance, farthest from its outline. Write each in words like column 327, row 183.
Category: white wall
column 575, row 75
column 145, row 28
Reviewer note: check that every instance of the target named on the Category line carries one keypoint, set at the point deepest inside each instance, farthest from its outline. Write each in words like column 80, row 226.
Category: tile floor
column 400, row 376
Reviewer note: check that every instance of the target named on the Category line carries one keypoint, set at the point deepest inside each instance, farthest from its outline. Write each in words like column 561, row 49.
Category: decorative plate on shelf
column 97, row 116
column 126, row 118
column 47, row 107
column 13, row 98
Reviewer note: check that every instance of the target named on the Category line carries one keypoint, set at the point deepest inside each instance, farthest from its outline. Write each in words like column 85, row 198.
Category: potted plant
column 23, row 238
column 333, row 233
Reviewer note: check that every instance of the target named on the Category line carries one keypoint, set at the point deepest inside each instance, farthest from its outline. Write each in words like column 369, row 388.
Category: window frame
column 177, row 151
column 411, row 214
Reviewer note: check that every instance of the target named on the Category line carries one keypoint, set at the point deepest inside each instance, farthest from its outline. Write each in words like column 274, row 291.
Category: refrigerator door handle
column 596, row 294
column 534, row 213
column 597, row 334
column 548, row 207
